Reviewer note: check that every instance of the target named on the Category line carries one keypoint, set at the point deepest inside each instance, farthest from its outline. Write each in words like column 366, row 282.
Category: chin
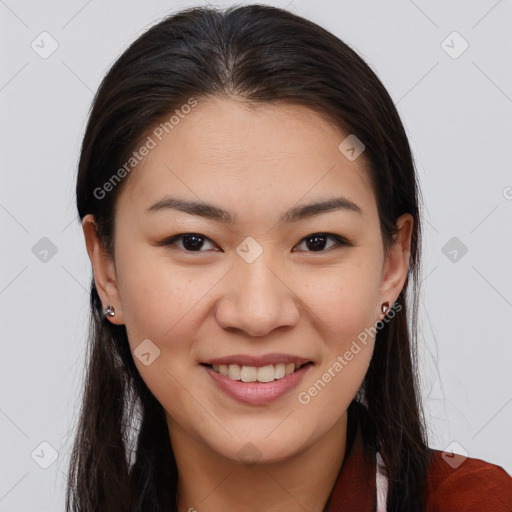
column 251, row 446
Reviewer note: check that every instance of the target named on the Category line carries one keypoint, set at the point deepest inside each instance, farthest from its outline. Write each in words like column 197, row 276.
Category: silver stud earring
column 109, row 311
column 385, row 307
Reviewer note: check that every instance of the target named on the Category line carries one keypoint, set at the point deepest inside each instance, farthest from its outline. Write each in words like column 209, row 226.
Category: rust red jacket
column 472, row 486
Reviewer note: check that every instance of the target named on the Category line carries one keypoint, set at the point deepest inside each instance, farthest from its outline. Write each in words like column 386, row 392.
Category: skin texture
column 256, row 162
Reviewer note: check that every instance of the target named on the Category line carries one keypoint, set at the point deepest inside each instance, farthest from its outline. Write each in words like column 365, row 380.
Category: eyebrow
column 215, row 213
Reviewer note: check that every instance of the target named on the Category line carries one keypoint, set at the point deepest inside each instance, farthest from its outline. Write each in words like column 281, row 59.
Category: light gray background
column 457, row 113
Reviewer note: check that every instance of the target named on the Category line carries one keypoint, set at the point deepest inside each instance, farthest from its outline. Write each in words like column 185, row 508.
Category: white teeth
column 279, row 371
column 232, row 371
column 267, row 373
column 248, row 373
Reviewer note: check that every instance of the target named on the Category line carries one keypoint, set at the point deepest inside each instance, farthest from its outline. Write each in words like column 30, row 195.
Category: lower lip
column 257, row 393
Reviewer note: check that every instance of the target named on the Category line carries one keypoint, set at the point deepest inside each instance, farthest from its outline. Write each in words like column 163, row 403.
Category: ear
column 103, row 269
column 396, row 264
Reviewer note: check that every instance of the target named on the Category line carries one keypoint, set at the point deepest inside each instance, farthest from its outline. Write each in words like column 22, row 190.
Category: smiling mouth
column 268, row 373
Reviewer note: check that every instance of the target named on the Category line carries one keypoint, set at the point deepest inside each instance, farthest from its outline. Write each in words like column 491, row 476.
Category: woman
column 250, row 208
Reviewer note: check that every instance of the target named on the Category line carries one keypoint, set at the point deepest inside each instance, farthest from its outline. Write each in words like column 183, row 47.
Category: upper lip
column 247, row 360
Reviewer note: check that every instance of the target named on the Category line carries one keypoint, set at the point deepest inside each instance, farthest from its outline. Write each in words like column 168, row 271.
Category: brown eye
column 191, row 242
column 316, row 242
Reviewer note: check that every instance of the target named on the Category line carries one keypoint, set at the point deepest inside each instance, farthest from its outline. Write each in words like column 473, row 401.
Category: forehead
column 259, row 155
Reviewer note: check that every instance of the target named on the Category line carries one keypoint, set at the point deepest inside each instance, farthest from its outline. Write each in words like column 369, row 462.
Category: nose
column 257, row 299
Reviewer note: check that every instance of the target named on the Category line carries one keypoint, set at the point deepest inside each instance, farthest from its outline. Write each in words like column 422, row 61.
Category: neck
column 209, row 482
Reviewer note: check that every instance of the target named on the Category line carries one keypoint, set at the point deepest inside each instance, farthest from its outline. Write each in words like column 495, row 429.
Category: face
column 261, row 291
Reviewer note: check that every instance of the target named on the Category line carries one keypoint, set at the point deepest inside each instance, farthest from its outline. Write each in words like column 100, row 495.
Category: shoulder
column 458, row 483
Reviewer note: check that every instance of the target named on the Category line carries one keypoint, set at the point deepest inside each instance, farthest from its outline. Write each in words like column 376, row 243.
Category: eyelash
column 339, row 241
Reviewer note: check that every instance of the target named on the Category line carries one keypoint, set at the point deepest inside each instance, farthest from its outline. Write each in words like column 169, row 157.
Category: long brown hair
column 122, row 459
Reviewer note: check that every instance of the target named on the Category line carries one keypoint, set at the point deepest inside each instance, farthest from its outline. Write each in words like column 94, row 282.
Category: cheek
column 161, row 303
column 158, row 297
column 344, row 308
column 343, row 299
